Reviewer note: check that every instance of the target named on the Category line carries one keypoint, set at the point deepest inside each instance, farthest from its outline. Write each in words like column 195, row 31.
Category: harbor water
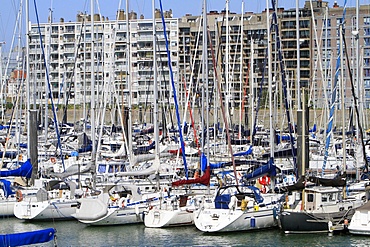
column 73, row 233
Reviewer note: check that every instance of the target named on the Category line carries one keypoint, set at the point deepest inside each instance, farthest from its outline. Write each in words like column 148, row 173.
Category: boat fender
column 244, row 204
column 19, row 196
column 233, row 202
column 274, row 213
column 253, row 222
column 330, row 226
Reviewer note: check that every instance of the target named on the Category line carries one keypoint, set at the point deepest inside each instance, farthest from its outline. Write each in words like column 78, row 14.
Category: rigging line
column 174, row 91
column 218, row 52
column 192, row 119
column 223, row 109
column 166, row 92
column 11, row 119
column 355, row 101
column 191, row 91
column 259, row 96
column 16, row 27
column 284, row 82
column 329, row 131
column 68, row 93
column 49, row 86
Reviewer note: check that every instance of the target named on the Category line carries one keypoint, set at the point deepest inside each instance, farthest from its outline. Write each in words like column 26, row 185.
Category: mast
column 342, row 97
column 1, row 81
column 357, row 69
column 46, row 82
column 251, row 80
column 155, row 116
column 298, row 56
column 269, row 74
column 28, row 73
column 329, row 130
column 84, row 74
column 92, row 115
column 227, row 69
column 155, row 106
column 241, row 98
column 205, row 76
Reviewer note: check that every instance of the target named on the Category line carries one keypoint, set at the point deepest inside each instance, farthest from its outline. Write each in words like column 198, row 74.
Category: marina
column 148, row 132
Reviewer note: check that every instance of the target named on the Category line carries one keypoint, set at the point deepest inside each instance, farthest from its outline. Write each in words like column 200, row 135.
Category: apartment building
column 236, row 59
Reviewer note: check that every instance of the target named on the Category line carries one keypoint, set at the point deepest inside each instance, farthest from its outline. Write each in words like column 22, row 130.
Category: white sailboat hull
column 360, row 223
column 157, row 218
column 45, row 210
column 7, row 207
column 117, row 216
column 227, row 220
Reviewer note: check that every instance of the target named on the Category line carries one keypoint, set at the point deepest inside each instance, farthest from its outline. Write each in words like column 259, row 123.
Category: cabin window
column 328, row 198
column 310, row 197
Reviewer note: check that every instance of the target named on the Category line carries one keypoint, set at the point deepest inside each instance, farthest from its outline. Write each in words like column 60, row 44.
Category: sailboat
column 29, row 237
column 172, row 210
column 13, row 190
column 237, row 207
column 55, row 199
column 360, row 222
column 177, row 209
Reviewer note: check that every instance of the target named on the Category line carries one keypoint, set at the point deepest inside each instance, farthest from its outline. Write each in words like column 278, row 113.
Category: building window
column 326, row 22
column 367, row 20
column 367, row 41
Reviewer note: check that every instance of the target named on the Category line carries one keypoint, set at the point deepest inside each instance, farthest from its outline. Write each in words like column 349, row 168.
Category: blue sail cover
column 24, row 171
column 27, row 238
column 6, row 187
column 248, row 152
column 203, row 163
column 268, row 169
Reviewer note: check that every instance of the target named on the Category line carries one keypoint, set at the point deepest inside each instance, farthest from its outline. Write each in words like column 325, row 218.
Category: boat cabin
column 320, row 197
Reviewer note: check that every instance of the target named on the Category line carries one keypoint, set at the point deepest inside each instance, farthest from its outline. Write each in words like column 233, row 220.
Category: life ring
column 19, row 195
column 53, row 160
column 265, row 180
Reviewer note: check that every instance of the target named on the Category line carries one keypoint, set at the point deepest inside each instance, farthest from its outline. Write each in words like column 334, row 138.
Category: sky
column 68, row 9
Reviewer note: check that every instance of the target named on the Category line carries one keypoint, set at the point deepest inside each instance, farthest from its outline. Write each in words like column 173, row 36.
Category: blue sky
column 69, row 8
